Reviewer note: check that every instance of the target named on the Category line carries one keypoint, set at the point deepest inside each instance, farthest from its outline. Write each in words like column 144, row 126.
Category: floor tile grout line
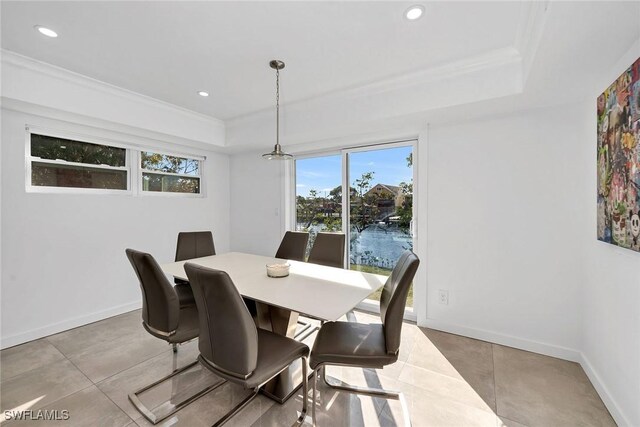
column 91, row 349
column 444, row 376
column 84, row 326
column 131, row 420
column 74, row 365
column 36, row 367
column 133, row 366
column 95, row 384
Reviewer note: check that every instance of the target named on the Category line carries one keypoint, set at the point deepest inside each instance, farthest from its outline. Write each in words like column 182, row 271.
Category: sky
column 325, row 173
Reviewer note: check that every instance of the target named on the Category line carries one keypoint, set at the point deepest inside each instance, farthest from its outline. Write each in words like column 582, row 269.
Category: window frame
column 141, row 171
column 132, row 166
column 29, row 159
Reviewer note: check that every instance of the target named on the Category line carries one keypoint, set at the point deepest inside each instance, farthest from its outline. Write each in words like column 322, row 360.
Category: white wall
column 610, row 287
column 256, row 204
column 503, row 228
column 63, row 260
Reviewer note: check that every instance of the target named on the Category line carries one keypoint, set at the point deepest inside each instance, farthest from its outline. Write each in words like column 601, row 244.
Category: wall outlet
column 443, row 296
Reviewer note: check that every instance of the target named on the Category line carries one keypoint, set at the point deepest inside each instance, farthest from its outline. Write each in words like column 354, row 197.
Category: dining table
column 312, row 290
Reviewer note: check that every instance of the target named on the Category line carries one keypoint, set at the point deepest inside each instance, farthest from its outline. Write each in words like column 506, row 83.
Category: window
column 60, row 162
column 172, row 174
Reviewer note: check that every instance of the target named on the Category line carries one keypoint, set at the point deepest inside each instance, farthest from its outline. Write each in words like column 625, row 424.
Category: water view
column 380, row 205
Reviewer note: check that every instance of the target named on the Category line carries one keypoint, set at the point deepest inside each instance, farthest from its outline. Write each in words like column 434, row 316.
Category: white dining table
column 324, row 293
column 316, row 291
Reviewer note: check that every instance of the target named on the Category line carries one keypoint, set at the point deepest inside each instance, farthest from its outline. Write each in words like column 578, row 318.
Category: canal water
column 377, row 245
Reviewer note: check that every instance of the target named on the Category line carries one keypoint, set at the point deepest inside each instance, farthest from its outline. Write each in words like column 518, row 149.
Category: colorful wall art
column 619, row 161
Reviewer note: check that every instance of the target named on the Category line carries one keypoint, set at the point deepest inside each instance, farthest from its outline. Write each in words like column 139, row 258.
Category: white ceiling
column 170, row 50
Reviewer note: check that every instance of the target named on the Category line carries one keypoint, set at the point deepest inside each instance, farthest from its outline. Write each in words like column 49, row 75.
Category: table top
column 325, row 293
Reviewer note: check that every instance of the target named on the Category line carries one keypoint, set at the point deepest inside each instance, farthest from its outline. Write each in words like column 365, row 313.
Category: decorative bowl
column 278, row 270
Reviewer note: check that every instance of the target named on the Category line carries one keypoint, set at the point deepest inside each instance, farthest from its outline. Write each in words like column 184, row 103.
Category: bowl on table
column 278, row 269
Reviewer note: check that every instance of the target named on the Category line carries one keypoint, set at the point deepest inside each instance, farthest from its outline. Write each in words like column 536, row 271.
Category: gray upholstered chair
column 197, row 244
column 293, row 245
column 230, row 344
column 164, row 318
column 191, row 244
column 328, row 249
column 368, row 345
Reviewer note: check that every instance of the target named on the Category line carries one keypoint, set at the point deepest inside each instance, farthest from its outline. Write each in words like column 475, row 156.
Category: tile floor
column 448, row 380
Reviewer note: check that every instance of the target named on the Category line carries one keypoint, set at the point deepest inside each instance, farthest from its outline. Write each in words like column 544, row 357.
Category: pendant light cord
column 278, row 108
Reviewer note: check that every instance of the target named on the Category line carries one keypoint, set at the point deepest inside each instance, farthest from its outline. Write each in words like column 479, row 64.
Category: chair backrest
column 228, row 336
column 194, row 244
column 293, row 245
column 160, row 307
column 394, row 299
column 328, row 249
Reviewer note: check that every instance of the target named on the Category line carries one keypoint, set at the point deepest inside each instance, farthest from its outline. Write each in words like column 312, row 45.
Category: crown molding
column 49, row 70
column 445, row 71
column 531, row 24
column 56, row 119
column 494, row 74
column 38, row 83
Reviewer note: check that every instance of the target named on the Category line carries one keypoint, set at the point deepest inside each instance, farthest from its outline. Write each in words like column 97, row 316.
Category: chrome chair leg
column 305, row 398
column 154, row 418
column 305, row 393
column 314, row 387
column 375, row 392
column 175, row 347
column 237, row 408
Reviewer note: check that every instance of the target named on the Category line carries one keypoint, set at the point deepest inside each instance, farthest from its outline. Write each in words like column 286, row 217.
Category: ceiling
column 170, row 50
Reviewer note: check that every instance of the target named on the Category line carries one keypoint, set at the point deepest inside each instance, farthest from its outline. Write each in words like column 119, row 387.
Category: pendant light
column 277, row 153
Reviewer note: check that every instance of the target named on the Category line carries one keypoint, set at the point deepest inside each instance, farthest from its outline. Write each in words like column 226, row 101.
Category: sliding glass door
column 380, row 208
column 377, row 211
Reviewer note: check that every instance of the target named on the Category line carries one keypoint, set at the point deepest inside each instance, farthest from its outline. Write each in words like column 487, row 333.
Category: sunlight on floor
column 22, row 408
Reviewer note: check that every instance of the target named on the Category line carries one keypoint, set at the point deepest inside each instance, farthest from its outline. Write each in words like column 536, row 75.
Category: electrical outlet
column 443, row 296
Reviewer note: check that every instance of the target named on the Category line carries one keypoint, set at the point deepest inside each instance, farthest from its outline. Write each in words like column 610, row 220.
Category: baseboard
column 507, row 340
column 603, row 391
column 64, row 325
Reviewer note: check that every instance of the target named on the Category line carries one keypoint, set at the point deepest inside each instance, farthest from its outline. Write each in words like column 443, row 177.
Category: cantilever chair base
column 156, row 418
column 256, row 390
column 375, row 392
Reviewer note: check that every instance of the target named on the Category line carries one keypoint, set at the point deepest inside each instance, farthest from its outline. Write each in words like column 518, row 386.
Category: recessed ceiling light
column 203, row 93
column 46, row 31
column 414, row 12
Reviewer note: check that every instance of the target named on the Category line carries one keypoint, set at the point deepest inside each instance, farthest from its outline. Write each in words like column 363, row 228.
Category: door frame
column 289, row 222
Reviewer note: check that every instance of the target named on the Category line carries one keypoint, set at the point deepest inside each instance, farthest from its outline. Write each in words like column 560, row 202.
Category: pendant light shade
column 277, row 153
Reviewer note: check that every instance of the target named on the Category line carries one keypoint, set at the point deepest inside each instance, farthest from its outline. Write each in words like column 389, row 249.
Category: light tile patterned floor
column 448, row 380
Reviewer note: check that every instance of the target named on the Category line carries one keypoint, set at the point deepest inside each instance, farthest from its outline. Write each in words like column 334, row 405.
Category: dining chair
column 197, row 244
column 191, row 244
column 367, row 345
column 328, row 249
column 164, row 318
column 231, row 345
column 293, row 245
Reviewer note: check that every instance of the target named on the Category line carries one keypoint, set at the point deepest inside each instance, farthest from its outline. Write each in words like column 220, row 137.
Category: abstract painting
column 619, row 161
